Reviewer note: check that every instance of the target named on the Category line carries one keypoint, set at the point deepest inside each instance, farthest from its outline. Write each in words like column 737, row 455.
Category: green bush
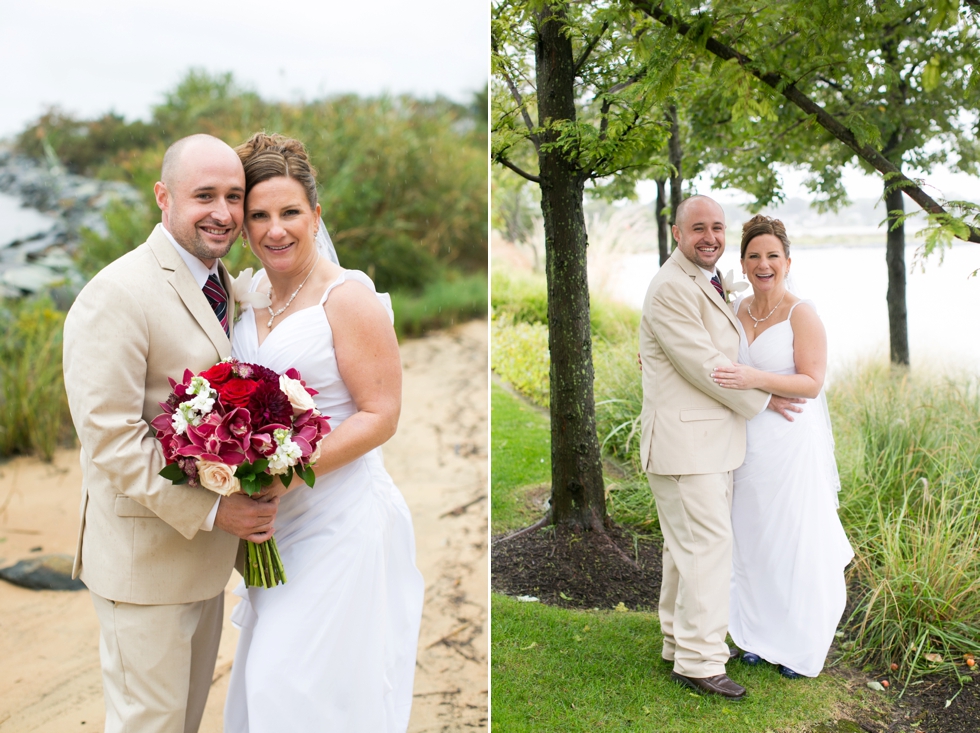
column 34, row 414
column 442, row 303
column 519, row 297
column 519, row 355
column 402, row 181
column 127, row 226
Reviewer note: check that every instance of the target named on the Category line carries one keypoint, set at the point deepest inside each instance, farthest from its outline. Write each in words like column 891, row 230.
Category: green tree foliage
column 890, row 85
column 402, row 181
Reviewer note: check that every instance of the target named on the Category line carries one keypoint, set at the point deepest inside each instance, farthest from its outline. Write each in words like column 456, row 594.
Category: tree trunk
column 898, row 329
column 675, row 157
column 577, row 492
column 663, row 231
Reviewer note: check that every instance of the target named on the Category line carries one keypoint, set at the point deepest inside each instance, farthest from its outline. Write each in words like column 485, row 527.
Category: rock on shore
column 45, row 209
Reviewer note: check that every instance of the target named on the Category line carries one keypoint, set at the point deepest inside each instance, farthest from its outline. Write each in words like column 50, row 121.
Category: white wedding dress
column 334, row 648
column 789, row 549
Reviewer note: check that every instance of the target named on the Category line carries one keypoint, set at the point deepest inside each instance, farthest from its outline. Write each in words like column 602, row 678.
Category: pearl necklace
column 756, row 321
column 275, row 314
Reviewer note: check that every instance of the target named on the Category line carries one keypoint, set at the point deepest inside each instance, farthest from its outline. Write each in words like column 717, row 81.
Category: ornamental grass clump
column 910, row 502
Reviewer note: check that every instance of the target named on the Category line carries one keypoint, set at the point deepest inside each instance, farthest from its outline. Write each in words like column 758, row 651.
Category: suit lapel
column 705, row 284
column 183, row 282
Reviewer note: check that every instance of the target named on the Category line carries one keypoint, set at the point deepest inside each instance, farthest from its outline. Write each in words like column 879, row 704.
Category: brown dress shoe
column 717, row 685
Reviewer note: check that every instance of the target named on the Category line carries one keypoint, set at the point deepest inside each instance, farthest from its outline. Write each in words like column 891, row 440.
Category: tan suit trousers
column 148, row 654
column 695, row 517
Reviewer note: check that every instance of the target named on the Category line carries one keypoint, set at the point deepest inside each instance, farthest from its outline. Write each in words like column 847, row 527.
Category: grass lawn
column 520, row 446
column 561, row 670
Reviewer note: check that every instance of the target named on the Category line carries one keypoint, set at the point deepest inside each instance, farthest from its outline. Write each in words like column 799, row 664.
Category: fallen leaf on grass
column 525, row 648
column 621, row 608
column 876, row 686
column 528, row 599
column 934, row 658
column 562, row 595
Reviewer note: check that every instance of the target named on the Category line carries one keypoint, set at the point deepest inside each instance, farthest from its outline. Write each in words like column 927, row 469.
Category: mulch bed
column 586, row 571
column 579, row 570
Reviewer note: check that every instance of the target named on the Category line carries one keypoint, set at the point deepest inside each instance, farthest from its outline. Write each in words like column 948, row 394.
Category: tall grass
column 34, row 413
column 909, row 457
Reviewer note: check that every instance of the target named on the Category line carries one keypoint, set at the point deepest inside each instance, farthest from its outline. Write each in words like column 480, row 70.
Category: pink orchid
column 206, row 442
column 308, row 430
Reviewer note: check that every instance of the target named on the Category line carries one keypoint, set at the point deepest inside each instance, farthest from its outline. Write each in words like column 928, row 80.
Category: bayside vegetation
column 402, row 184
column 906, row 447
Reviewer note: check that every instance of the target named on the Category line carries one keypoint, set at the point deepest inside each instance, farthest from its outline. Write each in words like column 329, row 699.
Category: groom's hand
column 785, row 405
column 242, row 517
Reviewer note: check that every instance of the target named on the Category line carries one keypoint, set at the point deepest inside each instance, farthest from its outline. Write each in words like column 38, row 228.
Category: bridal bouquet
column 233, row 428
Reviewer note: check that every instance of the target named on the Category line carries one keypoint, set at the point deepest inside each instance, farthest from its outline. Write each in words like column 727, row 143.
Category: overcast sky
column 123, row 55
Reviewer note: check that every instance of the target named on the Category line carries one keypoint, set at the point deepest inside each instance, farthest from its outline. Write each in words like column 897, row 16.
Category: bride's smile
column 765, row 264
column 281, row 225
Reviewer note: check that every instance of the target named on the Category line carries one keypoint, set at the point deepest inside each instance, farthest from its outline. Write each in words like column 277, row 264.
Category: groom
column 155, row 556
column 693, row 437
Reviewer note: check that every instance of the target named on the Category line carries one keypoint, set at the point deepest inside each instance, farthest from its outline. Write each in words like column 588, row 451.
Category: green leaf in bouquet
column 287, row 478
column 306, row 473
column 172, row 472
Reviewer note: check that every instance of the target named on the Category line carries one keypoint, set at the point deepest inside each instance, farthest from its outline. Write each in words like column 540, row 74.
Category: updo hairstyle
column 271, row 156
column 753, row 228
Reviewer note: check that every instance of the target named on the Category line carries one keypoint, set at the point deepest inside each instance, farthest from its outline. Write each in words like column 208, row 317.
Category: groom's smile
column 202, row 197
column 700, row 231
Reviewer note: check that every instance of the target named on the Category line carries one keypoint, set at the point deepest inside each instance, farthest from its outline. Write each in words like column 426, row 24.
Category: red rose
column 236, row 392
column 218, row 374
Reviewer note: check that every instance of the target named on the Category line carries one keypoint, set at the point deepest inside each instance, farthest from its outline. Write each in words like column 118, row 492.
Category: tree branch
column 516, row 94
column 507, row 164
column 778, row 82
column 588, row 49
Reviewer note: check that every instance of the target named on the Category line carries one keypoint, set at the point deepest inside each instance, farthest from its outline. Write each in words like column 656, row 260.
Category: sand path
column 49, row 677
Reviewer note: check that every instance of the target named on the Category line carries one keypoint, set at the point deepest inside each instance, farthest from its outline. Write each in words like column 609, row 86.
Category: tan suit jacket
column 141, row 320
column 690, row 425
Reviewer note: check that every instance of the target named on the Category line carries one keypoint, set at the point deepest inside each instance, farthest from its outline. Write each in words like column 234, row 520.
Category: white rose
column 218, row 477
column 298, row 397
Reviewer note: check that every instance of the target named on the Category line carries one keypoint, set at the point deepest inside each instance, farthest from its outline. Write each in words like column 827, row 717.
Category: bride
column 333, row 648
column 789, row 550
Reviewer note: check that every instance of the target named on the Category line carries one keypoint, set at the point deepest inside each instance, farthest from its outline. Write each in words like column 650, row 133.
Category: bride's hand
column 736, row 376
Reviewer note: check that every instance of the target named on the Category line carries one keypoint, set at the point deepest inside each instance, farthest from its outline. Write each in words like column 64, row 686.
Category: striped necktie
column 218, row 299
column 717, row 283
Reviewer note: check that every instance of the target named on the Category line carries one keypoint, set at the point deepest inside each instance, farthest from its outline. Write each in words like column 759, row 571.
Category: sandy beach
column 50, row 678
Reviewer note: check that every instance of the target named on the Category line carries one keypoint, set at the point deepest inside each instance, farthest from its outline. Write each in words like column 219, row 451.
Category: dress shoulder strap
column 793, row 308
column 358, row 276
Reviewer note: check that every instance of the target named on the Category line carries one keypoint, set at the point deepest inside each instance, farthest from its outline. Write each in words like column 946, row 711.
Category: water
column 848, row 287
column 18, row 223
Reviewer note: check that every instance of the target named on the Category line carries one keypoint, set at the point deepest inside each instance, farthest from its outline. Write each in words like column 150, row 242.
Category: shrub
column 402, row 181
column 34, row 414
column 519, row 355
column 442, row 303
